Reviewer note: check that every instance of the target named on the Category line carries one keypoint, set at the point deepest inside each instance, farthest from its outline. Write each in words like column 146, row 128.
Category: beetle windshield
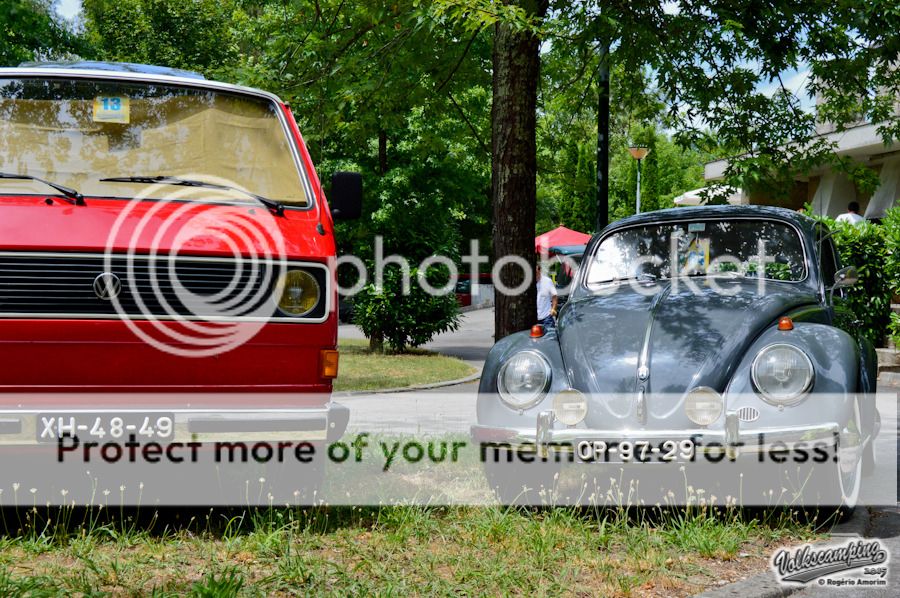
column 77, row 131
column 732, row 248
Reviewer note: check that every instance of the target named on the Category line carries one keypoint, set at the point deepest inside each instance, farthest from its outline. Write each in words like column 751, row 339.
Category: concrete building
column 828, row 191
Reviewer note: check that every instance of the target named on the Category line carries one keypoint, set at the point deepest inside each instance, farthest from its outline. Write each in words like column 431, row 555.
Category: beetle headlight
column 524, row 379
column 782, row 374
column 298, row 293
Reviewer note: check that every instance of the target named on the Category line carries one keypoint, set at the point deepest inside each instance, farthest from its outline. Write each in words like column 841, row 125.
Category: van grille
column 63, row 285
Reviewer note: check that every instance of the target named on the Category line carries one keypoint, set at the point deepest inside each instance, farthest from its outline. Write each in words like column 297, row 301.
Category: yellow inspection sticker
column 112, row 109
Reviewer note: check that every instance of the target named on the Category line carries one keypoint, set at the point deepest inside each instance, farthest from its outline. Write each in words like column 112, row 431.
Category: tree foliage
column 197, row 35
column 29, row 30
column 718, row 68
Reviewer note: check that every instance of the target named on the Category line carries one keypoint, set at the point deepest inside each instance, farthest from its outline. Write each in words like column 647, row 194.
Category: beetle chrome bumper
column 732, row 441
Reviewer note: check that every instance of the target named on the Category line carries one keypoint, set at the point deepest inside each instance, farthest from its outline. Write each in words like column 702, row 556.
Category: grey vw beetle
column 710, row 331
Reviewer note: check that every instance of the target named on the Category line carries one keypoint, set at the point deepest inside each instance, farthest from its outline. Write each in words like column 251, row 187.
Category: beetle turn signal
column 785, row 323
column 328, row 363
column 537, row 331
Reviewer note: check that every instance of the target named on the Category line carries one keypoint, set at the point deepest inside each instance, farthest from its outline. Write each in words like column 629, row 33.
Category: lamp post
column 638, row 152
column 603, row 140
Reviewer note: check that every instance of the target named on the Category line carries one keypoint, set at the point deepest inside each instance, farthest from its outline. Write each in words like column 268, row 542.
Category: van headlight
column 298, row 293
column 524, row 379
column 782, row 374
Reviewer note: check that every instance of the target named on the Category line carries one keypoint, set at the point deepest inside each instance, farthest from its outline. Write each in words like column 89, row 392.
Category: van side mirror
column 346, row 195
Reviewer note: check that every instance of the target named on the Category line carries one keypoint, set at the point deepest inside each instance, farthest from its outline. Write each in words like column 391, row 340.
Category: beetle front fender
column 491, row 410
column 835, row 358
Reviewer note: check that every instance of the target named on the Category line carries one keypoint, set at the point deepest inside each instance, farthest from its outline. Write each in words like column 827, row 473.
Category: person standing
column 546, row 299
column 852, row 215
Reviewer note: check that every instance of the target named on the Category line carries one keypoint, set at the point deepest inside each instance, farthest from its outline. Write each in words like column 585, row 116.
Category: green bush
column 865, row 247
column 386, row 314
column 891, row 224
column 894, row 329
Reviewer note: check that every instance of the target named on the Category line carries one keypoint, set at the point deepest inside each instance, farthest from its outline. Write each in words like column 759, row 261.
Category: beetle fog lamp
column 524, row 379
column 703, row 406
column 570, row 407
column 298, row 293
column 782, row 374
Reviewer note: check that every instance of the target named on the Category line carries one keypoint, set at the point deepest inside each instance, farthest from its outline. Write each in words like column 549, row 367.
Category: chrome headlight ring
column 802, row 366
column 297, row 293
column 534, row 373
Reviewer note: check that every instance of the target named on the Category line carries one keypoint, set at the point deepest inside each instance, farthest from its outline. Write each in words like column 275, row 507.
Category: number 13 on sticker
column 112, row 109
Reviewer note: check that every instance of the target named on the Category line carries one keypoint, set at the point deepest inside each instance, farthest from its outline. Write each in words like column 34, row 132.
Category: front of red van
column 166, row 262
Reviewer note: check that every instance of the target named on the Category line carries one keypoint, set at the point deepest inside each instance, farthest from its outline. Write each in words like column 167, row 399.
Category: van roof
column 121, row 67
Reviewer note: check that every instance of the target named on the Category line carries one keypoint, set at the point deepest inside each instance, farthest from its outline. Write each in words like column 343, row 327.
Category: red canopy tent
column 559, row 236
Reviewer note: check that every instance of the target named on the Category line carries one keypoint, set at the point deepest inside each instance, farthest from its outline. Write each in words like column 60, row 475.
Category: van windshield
column 75, row 132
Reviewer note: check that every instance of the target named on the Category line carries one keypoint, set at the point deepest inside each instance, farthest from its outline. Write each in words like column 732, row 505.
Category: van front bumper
column 34, row 426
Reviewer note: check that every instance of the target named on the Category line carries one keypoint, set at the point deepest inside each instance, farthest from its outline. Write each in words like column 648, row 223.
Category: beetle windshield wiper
column 74, row 196
column 643, row 277
column 273, row 205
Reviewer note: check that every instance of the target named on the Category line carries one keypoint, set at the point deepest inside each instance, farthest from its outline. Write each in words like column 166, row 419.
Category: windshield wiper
column 71, row 194
column 643, row 277
column 273, row 205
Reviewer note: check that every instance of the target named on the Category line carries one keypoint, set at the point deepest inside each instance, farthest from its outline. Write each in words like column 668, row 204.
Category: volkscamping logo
column 829, row 564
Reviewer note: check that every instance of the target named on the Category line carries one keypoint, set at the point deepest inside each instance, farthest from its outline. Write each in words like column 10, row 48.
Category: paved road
column 437, row 411
column 885, row 519
column 883, row 484
column 471, row 342
column 886, row 527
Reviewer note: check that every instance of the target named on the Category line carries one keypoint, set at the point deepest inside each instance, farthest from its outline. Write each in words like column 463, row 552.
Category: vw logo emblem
column 107, row 286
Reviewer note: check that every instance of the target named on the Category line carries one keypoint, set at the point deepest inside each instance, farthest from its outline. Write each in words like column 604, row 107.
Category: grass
column 361, row 370
column 388, row 551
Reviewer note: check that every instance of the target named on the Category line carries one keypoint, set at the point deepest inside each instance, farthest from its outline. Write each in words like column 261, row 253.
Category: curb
column 889, row 378
column 764, row 585
column 855, row 526
column 381, row 391
column 468, row 308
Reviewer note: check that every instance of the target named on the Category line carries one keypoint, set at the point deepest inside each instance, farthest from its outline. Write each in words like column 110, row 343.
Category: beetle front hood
column 695, row 334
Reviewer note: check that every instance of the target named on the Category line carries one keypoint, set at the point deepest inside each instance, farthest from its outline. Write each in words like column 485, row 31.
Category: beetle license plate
column 634, row 451
column 106, row 427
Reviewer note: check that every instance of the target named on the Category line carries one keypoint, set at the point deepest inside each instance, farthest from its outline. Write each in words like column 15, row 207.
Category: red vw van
column 165, row 235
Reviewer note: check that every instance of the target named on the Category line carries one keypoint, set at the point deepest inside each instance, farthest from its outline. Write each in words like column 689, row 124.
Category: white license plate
column 636, row 451
column 106, row 427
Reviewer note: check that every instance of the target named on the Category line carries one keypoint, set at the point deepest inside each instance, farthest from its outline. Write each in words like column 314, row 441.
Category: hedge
column 874, row 249
column 891, row 224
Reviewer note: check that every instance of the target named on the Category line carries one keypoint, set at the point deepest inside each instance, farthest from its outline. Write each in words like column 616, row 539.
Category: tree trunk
column 376, row 342
column 516, row 61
